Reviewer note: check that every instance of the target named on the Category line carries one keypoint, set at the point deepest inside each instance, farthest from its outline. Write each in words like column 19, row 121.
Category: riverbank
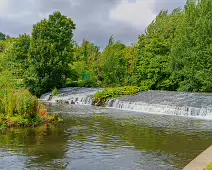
column 19, row 108
column 202, row 161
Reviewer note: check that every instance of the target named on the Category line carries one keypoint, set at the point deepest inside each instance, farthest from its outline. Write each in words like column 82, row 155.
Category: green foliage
column 17, row 56
column 55, row 92
column 2, row 36
column 85, row 62
column 21, row 108
column 175, row 53
column 191, row 51
column 17, row 105
column 116, row 92
column 50, row 53
column 112, row 65
column 19, row 102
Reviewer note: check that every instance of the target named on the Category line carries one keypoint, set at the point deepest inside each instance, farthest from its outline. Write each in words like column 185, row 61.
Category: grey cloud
column 99, row 34
column 168, row 4
column 91, row 18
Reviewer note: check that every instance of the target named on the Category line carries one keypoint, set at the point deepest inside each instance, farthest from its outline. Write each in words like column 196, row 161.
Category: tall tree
column 112, row 65
column 18, row 56
column 85, row 62
column 154, row 57
column 192, row 50
column 51, row 50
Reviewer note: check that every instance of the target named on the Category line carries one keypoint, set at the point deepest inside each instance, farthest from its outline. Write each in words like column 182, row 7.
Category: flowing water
column 106, row 138
column 171, row 103
column 73, row 95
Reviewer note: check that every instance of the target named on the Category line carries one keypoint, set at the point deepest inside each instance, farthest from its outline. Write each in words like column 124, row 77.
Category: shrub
column 26, row 103
column 102, row 97
column 55, row 92
column 21, row 108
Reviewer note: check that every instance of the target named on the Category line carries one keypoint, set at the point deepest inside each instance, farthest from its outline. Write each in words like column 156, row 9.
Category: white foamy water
column 157, row 102
column 169, row 103
column 72, row 95
column 160, row 109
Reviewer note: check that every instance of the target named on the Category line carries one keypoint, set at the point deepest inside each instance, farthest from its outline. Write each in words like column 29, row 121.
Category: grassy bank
column 21, row 108
column 100, row 98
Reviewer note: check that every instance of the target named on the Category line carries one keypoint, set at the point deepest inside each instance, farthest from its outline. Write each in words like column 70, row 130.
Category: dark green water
column 111, row 139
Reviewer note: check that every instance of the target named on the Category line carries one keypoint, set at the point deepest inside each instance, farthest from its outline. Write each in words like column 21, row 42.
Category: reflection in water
column 106, row 141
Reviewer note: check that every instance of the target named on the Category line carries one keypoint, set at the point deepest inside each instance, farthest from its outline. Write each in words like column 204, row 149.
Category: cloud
column 168, row 4
column 3, row 6
column 96, row 20
column 138, row 14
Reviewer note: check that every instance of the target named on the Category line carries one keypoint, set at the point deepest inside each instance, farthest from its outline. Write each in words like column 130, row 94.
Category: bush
column 20, row 102
column 102, row 97
column 55, row 92
column 21, row 108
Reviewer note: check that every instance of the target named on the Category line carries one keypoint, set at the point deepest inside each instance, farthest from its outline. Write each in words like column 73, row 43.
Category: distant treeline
column 174, row 53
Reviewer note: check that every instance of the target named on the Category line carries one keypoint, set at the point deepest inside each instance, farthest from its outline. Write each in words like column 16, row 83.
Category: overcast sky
column 96, row 20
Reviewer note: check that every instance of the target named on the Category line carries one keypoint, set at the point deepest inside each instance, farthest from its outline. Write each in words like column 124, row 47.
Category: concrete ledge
column 201, row 161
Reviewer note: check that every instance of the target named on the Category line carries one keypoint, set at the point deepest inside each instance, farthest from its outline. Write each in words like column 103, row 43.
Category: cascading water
column 72, row 95
column 156, row 102
column 171, row 103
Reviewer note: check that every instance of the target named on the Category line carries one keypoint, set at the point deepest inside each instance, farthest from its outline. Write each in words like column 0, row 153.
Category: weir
column 170, row 103
column 72, row 95
column 157, row 102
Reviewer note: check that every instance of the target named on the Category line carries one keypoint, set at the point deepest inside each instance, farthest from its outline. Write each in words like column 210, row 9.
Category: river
column 106, row 138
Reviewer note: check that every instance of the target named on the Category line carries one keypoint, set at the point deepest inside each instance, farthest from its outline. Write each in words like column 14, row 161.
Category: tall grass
column 21, row 108
column 18, row 107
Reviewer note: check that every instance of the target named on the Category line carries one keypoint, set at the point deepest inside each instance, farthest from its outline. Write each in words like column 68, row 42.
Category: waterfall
column 169, row 103
column 45, row 97
column 72, row 95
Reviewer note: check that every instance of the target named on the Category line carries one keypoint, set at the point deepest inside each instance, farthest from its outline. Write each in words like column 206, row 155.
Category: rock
column 72, row 102
column 99, row 102
column 60, row 102
column 66, row 102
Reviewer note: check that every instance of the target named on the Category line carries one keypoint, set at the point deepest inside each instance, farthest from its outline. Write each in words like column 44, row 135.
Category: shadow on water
column 106, row 141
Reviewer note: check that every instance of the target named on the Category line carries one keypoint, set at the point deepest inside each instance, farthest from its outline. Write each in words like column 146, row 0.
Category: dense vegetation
column 37, row 63
column 174, row 53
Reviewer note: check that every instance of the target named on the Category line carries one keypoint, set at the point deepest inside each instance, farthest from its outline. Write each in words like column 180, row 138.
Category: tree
column 2, row 36
column 111, row 40
column 51, row 50
column 17, row 56
column 112, row 65
column 191, row 51
column 85, row 63
column 154, row 48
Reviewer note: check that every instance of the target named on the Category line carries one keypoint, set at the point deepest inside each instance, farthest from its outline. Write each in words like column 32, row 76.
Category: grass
column 21, row 108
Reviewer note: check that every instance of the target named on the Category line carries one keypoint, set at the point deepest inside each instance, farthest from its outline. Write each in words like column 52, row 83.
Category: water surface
column 97, row 138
